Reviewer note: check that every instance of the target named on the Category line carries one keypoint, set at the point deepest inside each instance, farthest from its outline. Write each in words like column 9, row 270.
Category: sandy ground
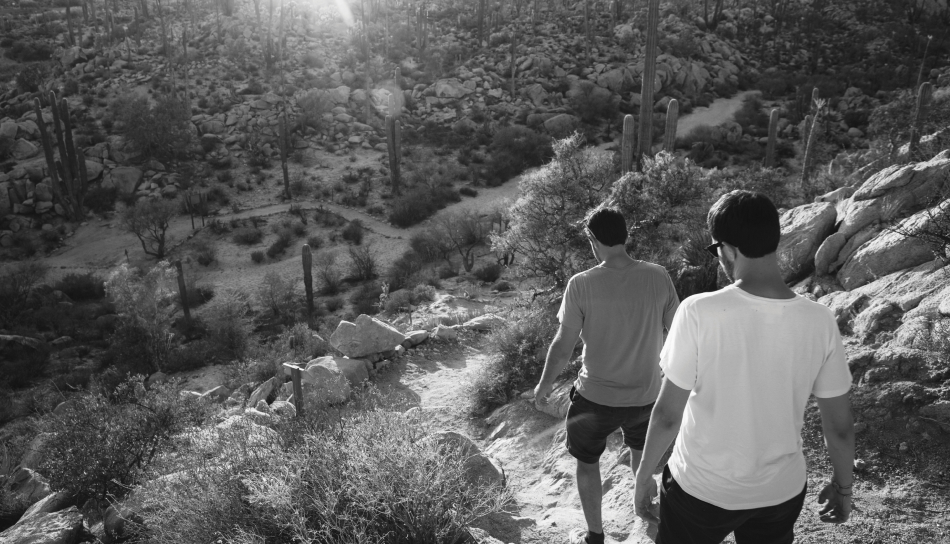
column 720, row 111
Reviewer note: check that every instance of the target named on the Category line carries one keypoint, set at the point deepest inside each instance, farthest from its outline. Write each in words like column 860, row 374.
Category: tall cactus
column 672, row 116
column 811, row 137
column 773, row 135
column 68, row 176
column 394, row 149
column 649, row 74
column 628, row 144
column 588, row 30
column 924, row 94
column 514, row 65
column 306, row 258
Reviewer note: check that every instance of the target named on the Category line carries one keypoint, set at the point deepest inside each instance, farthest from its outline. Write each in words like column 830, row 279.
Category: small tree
column 162, row 130
column 464, row 232
column 278, row 294
column 362, row 263
column 145, row 304
column 546, row 221
column 148, row 220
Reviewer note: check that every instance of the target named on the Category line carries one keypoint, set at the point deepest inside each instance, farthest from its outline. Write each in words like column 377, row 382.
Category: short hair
column 746, row 220
column 608, row 226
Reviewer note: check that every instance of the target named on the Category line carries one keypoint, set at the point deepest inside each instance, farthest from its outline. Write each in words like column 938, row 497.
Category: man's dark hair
column 608, row 226
column 746, row 220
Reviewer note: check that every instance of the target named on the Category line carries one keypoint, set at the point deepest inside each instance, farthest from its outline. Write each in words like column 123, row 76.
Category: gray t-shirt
column 621, row 314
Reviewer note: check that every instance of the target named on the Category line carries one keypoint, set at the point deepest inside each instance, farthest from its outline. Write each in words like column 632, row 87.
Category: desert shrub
column 751, row 114
column 704, row 134
column 514, row 149
column 226, row 324
column 362, row 263
column 403, row 269
column 546, row 221
column 145, row 305
column 78, row 287
column 312, row 106
column 12, row 506
column 588, row 105
column 100, row 199
column 333, row 303
column 365, row 476
column 365, row 298
column 468, row 191
column 330, row 278
column 168, row 120
column 248, row 236
column 489, row 272
column 17, row 285
column 517, row 352
column 770, row 182
column 103, row 444
column 29, row 51
column 354, row 232
column 257, row 256
column 205, row 252
column 22, row 367
column 315, row 242
column 421, row 203
column 31, row 77
column 278, row 294
column 666, row 191
column 283, row 241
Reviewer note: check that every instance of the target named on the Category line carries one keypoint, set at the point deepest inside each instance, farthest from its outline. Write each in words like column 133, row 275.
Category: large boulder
column 63, row 527
column 828, row 252
column 27, row 486
column 889, row 252
column 324, row 384
column 450, row 88
column 125, row 179
column 340, row 95
column 93, row 170
column 23, row 149
column 365, row 336
column 356, row 371
column 916, row 181
column 263, row 391
column 803, row 230
column 380, row 101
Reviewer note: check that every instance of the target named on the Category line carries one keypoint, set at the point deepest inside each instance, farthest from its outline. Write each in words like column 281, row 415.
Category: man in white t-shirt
column 740, row 365
column 620, row 309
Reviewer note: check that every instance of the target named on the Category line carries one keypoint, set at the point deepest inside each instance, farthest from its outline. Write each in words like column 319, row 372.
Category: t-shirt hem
column 742, row 506
column 682, row 384
column 832, row 394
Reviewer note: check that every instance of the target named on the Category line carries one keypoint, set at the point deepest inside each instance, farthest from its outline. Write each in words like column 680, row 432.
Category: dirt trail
column 720, row 111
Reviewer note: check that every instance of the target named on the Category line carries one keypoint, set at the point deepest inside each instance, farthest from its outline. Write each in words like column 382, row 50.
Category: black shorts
column 684, row 519
column 589, row 424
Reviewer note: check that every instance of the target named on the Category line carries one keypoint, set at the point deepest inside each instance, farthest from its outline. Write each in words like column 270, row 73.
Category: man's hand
column 643, row 499
column 541, row 393
column 837, row 507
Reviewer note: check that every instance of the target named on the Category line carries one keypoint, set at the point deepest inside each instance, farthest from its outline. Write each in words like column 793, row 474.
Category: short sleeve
column 679, row 358
column 834, row 377
column 672, row 303
column 571, row 314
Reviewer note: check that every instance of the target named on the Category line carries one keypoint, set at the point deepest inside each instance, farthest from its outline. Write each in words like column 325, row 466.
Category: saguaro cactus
column 672, row 116
column 183, row 292
column 646, row 91
column 628, row 144
column 307, row 259
column 68, row 178
column 812, row 135
column 773, row 135
column 588, row 30
column 284, row 142
column 421, row 25
column 394, row 149
column 924, row 94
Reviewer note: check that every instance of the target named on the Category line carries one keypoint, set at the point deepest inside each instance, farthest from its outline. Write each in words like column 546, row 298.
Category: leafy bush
column 489, row 272
column 168, row 121
column 354, row 232
column 79, row 287
column 517, row 358
column 100, row 199
column 283, row 241
column 205, row 252
column 377, row 476
column 103, row 444
column 333, row 303
column 248, row 236
column 17, row 285
column 365, row 298
column 257, row 256
column 315, row 242
column 514, row 149
column 421, row 203
column 403, row 269
column 278, row 294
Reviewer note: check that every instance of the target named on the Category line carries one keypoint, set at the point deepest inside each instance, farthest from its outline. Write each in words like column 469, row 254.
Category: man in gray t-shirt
column 620, row 309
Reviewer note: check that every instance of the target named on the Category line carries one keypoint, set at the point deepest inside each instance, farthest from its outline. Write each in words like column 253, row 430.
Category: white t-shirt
column 751, row 363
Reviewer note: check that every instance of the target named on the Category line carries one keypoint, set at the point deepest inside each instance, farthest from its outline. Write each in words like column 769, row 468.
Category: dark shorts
column 684, row 519
column 589, row 424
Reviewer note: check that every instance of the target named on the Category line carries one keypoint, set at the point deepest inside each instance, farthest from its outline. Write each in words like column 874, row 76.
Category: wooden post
column 672, row 115
column 773, row 136
column 646, row 91
column 628, row 144
column 295, row 376
column 183, row 292
column 307, row 259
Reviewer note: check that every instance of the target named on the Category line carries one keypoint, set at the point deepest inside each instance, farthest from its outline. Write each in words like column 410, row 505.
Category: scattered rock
column 49, row 528
column 364, row 337
column 356, row 370
column 263, row 391
column 484, row 323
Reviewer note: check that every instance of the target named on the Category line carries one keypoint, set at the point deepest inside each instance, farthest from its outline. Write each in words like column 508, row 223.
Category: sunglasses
column 714, row 249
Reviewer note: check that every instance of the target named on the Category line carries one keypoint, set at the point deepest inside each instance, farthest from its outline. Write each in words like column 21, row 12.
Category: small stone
column 860, row 464
column 860, row 427
column 903, row 447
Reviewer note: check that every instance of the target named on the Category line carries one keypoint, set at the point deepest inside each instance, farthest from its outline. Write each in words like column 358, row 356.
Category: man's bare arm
column 664, row 425
column 838, row 426
column 558, row 355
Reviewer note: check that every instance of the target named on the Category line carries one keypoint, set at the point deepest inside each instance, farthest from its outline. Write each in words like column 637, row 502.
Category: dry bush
column 278, row 294
column 362, row 263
